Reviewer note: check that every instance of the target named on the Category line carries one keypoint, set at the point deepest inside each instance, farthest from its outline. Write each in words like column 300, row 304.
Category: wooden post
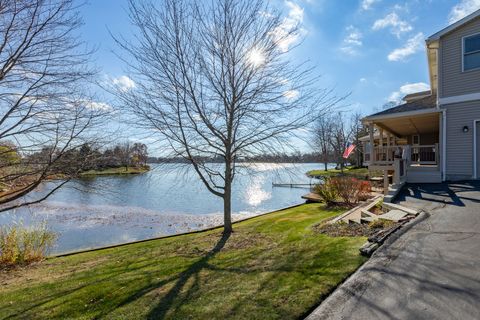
column 380, row 144
column 385, row 182
column 389, row 153
column 396, row 171
column 371, row 128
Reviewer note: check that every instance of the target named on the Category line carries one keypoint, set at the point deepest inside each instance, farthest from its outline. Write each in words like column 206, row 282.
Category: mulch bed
column 342, row 229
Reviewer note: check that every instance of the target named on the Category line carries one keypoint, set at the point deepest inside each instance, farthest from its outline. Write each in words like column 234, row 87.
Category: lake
column 99, row 211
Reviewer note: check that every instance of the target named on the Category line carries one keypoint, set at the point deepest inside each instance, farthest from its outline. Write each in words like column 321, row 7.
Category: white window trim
column 463, row 52
column 413, row 140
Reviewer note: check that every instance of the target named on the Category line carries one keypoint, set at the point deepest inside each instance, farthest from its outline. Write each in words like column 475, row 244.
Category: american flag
column 348, row 151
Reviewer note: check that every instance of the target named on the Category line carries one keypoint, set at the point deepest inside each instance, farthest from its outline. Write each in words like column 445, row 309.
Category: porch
column 405, row 147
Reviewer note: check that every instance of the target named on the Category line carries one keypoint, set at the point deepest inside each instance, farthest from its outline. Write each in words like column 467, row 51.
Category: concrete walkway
column 432, row 271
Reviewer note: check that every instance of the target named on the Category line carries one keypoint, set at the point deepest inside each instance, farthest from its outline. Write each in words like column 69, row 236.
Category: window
column 471, row 52
column 415, row 139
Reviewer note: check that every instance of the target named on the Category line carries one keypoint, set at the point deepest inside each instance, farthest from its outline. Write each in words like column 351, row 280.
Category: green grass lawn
column 114, row 171
column 271, row 267
column 350, row 171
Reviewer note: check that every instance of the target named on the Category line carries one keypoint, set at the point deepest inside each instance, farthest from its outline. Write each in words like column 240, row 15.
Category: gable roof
column 425, row 103
column 417, row 95
column 454, row 26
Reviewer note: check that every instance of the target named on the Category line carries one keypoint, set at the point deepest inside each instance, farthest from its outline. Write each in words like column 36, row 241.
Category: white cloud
column 98, row 106
column 367, row 4
column 397, row 26
column 352, row 41
column 408, row 88
column 293, row 20
column 412, row 46
column 295, row 11
column 463, row 9
column 124, row 83
column 291, row 94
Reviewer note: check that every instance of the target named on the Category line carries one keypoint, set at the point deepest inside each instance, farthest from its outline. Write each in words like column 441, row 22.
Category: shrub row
column 343, row 189
column 21, row 245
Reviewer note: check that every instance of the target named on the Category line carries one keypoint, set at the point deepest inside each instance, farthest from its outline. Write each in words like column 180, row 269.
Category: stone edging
column 407, row 226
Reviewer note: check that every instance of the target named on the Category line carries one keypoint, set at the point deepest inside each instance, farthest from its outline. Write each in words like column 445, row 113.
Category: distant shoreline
column 116, row 171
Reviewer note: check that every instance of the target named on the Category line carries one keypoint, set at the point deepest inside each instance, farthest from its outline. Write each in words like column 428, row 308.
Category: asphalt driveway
column 432, row 271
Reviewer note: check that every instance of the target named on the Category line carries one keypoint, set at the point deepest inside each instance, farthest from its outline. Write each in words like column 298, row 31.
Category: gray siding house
column 435, row 135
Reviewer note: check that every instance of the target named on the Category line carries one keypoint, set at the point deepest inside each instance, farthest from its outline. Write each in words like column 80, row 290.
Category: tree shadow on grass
column 166, row 303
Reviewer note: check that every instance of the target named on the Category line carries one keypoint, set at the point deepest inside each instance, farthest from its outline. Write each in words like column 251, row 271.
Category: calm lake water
column 101, row 211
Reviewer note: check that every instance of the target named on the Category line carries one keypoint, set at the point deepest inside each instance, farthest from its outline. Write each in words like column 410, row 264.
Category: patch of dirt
column 342, row 229
column 238, row 240
column 376, row 210
column 245, row 240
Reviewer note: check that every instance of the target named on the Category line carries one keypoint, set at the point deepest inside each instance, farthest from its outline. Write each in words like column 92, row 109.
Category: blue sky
column 371, row 48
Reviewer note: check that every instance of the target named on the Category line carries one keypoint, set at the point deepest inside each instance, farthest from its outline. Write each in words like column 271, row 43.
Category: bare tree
column 45, row 108
column 323, row 139
column 336, row 132
column 139, row 153
column 341, row 134
column 357, row 131
column 214, row 81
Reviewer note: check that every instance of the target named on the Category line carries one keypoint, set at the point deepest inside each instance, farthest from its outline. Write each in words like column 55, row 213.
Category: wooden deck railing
column 418, row 154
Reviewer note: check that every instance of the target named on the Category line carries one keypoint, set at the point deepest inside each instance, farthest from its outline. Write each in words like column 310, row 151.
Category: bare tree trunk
column 227, row 210
column 227, row 194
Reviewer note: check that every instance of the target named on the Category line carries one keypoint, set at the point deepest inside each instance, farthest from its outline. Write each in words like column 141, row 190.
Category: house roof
column 417, row 95
column 454, row 26
column 429, row 102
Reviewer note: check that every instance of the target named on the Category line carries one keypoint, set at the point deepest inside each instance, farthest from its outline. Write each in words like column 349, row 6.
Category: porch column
column 385, row 182
column 388, row 146
column 371, row 128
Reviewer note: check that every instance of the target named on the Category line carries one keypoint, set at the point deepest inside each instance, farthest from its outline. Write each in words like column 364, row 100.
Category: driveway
column 432, row 271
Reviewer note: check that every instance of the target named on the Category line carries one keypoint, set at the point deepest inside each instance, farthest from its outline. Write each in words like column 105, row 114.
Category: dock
column 293, row 185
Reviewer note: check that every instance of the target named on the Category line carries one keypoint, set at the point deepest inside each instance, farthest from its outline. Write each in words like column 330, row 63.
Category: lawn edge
column 66, row 254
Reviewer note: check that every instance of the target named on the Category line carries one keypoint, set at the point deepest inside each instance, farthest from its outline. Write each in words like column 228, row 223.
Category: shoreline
column 69, row 253
column 115, row 171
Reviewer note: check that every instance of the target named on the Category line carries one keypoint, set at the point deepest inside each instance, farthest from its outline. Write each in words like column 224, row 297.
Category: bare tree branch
column 46, row 109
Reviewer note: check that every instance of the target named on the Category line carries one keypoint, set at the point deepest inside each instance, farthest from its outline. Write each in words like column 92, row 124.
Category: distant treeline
column 120, row 155
column 88, row 157
column 281, row 158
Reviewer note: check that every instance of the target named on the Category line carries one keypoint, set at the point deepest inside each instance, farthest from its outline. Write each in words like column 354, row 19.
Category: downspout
column 444, row 145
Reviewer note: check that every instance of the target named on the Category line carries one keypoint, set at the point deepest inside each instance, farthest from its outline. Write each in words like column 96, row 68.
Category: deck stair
column 368, row 216
column 394, row 206
column 362, row 214
column 393, row 215
column 355, row 214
